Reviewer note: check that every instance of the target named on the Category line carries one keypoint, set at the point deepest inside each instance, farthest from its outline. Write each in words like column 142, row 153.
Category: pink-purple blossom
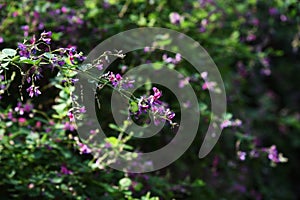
column 64, row 170
column 175, row 18
column 33, row 91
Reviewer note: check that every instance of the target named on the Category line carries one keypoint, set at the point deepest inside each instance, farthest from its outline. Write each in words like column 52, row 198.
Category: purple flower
column 68, row 126
column 123, row 68
column 209, row 85
column 225, row 123
column 184, row 82
column 61, row 62
column 10, row 115
column 118, row 77
column 175, row 18
column 265, row 71
column 80, row 57
column 254, row 153
column 19, row 108
column 158, row 108
column 273, row 154
column 156, row 96
column 1, row 40
column 33, row 90
column 106, row 5
column 115, row 79
column 242, row 155
column 143, row 105
column 204, row 75
column 22, row 46
column 107, row 145
column 84, row 149
column 100, row 66
column 28, row 107
column 74, row 80
column 283, row 18
column 15, row 14
column 169, row 114
column 255, row 22
column 46, row 34
column 38, row 75
column 25, row 28
column 41, row 26
column 23, row 50
column 147, row 49
column 128, row 84
column 251, row 37
column 157, row 93
column 82, row 109
column 47, row 40
column 71, row 116
column 273, row 11
column 202, row 29
column 175, row 60
column 167, row 59
column 65, row 170
column 64, row 9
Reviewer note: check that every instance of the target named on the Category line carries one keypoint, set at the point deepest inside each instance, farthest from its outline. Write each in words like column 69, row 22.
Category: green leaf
column 49, row 55
column 228, row 116
column 113, row 141
column 29, row 61
column 15, row 58
column 125, row 183
column 85, row 67
column 157, row 65
column 9, row 52
column 57, row 180
column 4, row 65
column 134, row 107
column 60, row 107
column 202, row 107
column 56, row 36
column 198, row 183
column 2, row 55
column 115, row 127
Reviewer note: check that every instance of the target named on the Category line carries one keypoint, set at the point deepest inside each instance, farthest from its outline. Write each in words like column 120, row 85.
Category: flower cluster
column 208, row 85
column 46, row 37
column 33, row 91
column 271, row 152
column 157, row 108
column 117, row 81
column 21, row 109
column 38, row 53
column 231, row 123
column 273, row 155
column 83, row 148
column 24, row 52
column 174, row 61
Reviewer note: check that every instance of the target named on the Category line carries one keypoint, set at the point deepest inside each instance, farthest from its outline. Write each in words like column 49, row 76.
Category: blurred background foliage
column 255, row 45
